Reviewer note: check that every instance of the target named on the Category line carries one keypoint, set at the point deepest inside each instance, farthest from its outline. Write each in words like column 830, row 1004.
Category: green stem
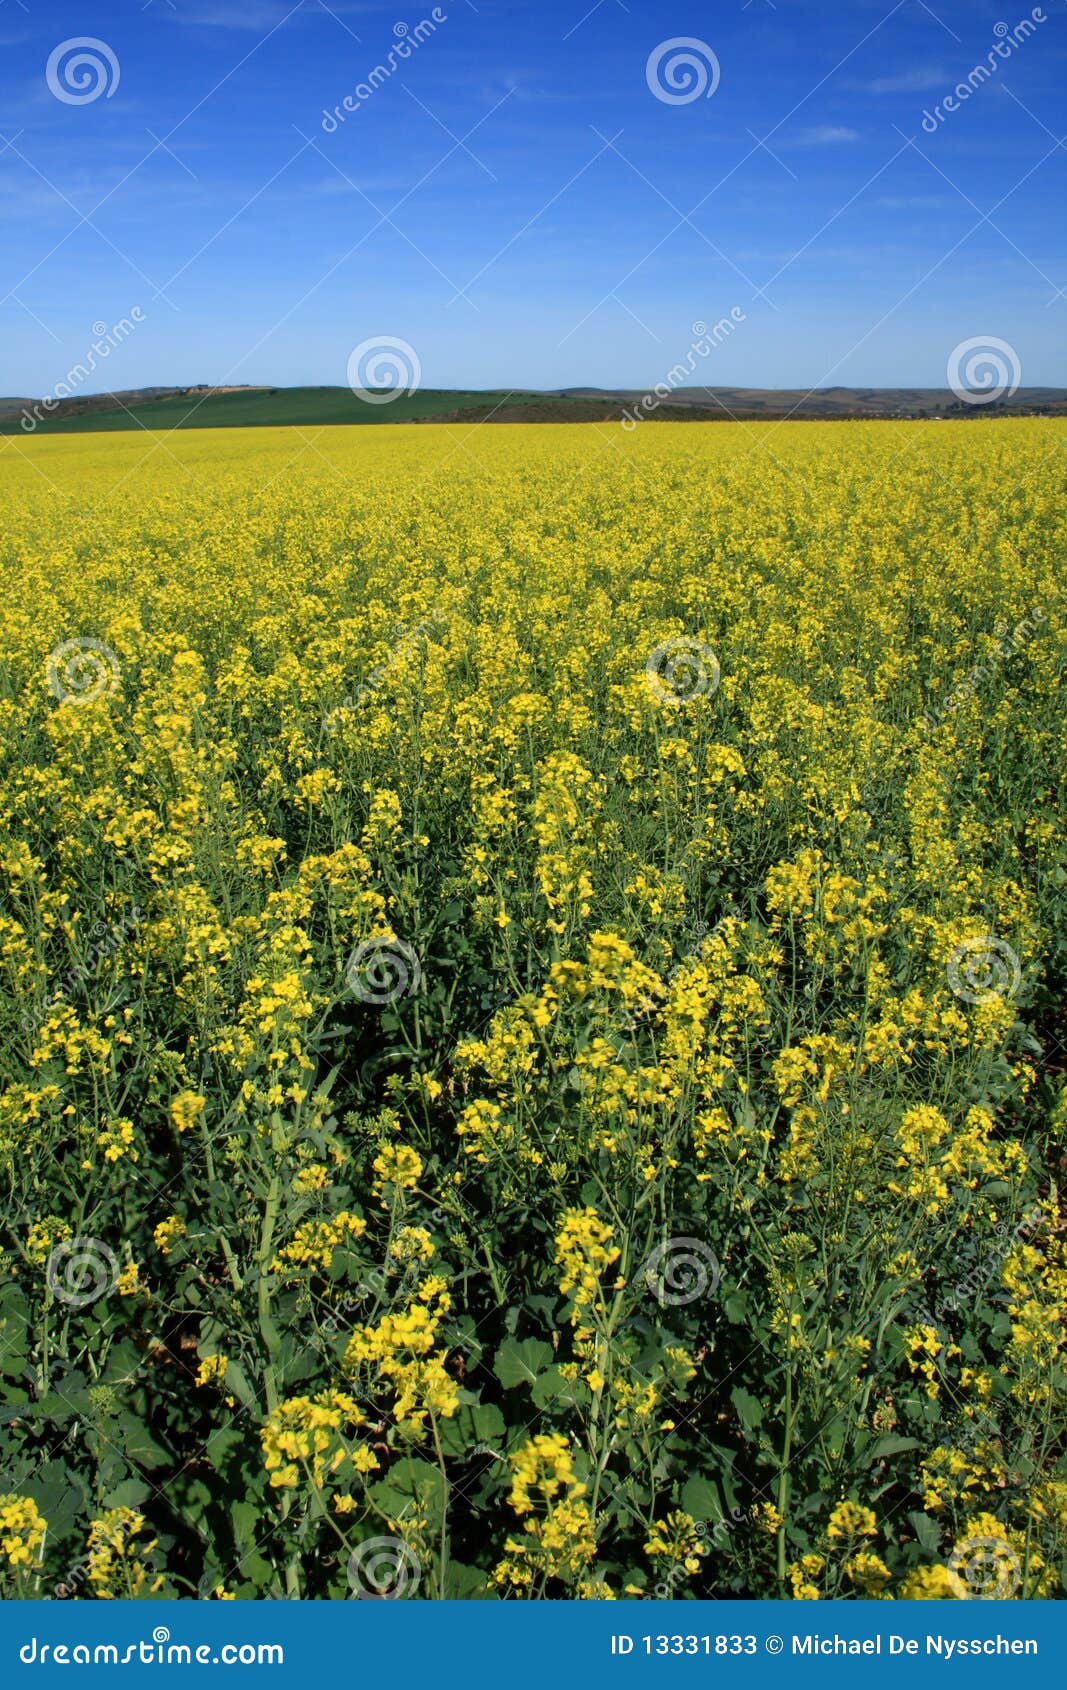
column 783, row 1471
column 272, row 1346
column 443, row 1552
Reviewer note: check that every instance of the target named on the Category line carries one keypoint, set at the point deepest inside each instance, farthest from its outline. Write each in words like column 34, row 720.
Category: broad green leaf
column 520, row 1363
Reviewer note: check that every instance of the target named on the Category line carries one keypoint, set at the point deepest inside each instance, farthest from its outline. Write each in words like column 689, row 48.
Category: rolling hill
column 160, row 408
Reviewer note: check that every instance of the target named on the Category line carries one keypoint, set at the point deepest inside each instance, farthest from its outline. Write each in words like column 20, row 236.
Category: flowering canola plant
column 531, row 1014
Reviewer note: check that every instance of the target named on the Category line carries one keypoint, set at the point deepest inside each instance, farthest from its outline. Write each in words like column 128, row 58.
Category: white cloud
column 263, row 15
column 918, row 80
column 257, row 15
column 914, row 202
column 826, row 135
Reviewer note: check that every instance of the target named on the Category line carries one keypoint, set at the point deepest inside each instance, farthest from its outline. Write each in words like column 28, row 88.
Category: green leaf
column 551, row 1390
column 835, row 1434
column 129, row 1494
column 15, row 1321
column 222, row 1447
column 927, row 1531
column 749, row 1408
column 464, row 1584
column 521, row 1363
column 477, row 1427
column 138, row 1444
column 891, row 1444
column 237, row 1383
column 245, row 1518
column 125, row 1361
column 60, row 1409
column 60, row 1495
column 196, row 1501
column 413, row 1487
column 259, row 1572
column 700, row 1498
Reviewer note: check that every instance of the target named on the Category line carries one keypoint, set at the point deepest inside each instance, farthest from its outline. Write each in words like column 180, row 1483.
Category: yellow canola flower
column 851, row 1519
column 22, row 1530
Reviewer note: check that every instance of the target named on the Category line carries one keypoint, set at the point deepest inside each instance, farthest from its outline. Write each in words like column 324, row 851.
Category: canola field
column 533, row 1046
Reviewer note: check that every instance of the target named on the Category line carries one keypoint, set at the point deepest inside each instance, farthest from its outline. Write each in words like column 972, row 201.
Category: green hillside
column 316, row 407
column 273, row 407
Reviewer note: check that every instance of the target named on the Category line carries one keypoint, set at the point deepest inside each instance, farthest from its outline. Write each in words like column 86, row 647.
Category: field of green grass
column 291, row 407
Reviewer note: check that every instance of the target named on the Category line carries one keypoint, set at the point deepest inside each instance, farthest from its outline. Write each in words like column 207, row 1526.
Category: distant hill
column 279, row 407
column 247, row 407
column 844, row 402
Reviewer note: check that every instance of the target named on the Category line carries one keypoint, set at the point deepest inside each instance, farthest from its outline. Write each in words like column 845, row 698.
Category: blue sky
column 517, row 203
